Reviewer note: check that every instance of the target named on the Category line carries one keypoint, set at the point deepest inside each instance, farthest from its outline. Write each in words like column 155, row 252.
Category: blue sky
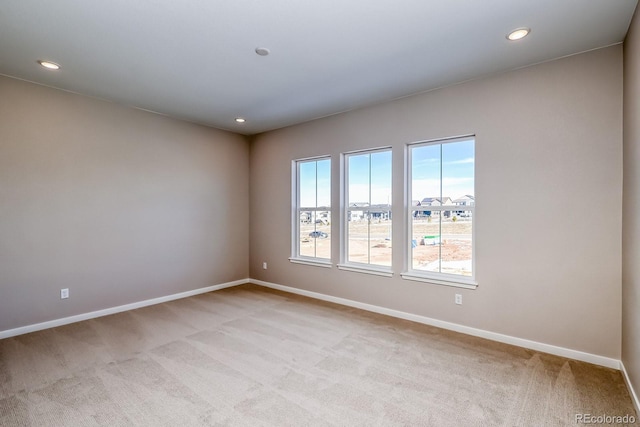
column 370, row 175
column 315, row 179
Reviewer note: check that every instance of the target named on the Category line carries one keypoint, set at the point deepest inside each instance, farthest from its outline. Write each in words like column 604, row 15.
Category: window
column 367, row 240
column 441, row 214
column 312, row 213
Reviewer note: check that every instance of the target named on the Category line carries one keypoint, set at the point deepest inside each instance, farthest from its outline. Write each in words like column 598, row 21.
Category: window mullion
column 315, row 214
column 440, row 221
column 369, row 217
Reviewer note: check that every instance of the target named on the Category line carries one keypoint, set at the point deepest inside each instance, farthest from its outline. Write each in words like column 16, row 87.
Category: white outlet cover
column 64, row 293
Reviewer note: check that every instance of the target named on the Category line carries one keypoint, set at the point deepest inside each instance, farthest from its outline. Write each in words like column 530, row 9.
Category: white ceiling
column 195, row 59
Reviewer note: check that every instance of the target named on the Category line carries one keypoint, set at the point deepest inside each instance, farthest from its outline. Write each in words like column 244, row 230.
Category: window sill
column 381, row 271
column 312, row 262
column 456, row 283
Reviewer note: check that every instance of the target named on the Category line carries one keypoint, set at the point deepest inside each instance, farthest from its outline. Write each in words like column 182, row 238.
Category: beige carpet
column 251, row 356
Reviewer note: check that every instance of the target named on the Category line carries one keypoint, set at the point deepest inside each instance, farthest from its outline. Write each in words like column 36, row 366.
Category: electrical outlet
column 459, row 299
column 264, row 265
column 64, row 293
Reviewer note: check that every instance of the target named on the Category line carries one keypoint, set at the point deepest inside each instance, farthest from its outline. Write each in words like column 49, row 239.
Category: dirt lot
column 454, row 241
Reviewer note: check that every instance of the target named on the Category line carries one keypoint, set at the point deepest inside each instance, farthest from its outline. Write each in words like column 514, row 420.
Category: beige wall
column 549, row 191
column 631, row 207
column 120, row 205
column 116, row 204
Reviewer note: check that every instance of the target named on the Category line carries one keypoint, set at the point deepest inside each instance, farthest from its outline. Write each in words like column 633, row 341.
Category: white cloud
column 468, row 160
column 424, row 162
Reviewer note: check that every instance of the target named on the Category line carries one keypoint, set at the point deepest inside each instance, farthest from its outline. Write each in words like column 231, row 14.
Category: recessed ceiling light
column 262, row 51
column 518, row 34
column 240, row 120
column 49, row 65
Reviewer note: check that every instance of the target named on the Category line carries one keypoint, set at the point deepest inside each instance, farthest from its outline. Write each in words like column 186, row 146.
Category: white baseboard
column 632, row 392
column 546, row 348
column 113, row 310
column 493, row 336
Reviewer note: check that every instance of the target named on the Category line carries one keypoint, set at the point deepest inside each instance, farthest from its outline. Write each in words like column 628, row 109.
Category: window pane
column 359, row 180
column 425, row 243
column 425, row 174
column 381, row 179
column 456, row 244
column 358, row 229
column 322, row 236
column 380, row 238
column 307, row 184
column 457, row 172
column 323, row 188
column 458, row 160
column 307, row 226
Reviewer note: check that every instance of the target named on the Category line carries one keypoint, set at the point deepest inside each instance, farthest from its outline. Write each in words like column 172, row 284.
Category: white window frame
column 345, row 264
column 296, row 211
column 438, row 278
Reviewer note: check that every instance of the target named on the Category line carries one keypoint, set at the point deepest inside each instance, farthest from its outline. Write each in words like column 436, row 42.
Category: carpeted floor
column 252, row 356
